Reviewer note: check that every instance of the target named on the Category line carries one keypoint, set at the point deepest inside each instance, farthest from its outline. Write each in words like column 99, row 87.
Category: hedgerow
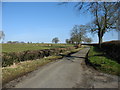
column 112, row 48
column 8, row 58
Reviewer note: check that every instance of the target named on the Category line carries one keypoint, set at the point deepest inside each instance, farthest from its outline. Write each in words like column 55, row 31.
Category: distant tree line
column 17, row 42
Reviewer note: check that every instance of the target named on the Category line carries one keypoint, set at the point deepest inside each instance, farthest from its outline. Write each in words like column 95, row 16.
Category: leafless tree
column 55, row 40
column 2, row 35
column 106, row 16
column 78, row 33
column 87, row 40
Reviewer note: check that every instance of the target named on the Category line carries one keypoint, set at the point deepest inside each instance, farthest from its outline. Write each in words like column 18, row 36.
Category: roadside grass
column 12, row 72
column 102, row 62
column 22, row 68
column 18, row 47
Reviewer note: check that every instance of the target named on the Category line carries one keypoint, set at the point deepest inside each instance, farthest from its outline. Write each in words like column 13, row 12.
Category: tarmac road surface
column 69, row 72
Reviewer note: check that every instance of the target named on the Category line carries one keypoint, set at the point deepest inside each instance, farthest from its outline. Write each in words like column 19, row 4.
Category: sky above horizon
column 42, row 21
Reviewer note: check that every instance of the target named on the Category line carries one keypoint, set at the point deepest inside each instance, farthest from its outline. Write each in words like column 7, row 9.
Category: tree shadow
column 75, row 57
column 69, row 56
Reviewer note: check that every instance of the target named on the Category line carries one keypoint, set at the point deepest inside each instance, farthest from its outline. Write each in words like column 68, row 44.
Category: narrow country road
column 69, row 72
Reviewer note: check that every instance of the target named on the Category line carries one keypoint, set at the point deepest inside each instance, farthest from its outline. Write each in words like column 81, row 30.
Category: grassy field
column 32, row 46
column 103, row 62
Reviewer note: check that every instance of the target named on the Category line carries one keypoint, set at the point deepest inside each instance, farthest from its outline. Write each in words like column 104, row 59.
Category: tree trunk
column 100, row 41
column 100, row 35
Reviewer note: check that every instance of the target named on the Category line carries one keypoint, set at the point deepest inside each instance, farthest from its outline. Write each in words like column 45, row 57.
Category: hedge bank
column 112, row 48
column 98, row 59
column 15, row 57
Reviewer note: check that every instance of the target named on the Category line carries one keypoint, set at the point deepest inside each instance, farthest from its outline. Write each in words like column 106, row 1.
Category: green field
column 32, row 46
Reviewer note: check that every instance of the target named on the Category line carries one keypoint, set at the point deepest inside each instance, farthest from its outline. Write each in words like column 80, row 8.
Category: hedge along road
column 69, row 72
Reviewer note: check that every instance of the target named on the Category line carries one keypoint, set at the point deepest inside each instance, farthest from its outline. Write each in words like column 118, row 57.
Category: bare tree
column 78, row 33
column 87, row 40
column 55, row 40
column 106, row 16
column 2, row 35
column 67, row 41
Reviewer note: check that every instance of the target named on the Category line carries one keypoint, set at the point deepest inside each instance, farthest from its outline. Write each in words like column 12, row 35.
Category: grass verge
column 100, row 61
column 22, row 68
